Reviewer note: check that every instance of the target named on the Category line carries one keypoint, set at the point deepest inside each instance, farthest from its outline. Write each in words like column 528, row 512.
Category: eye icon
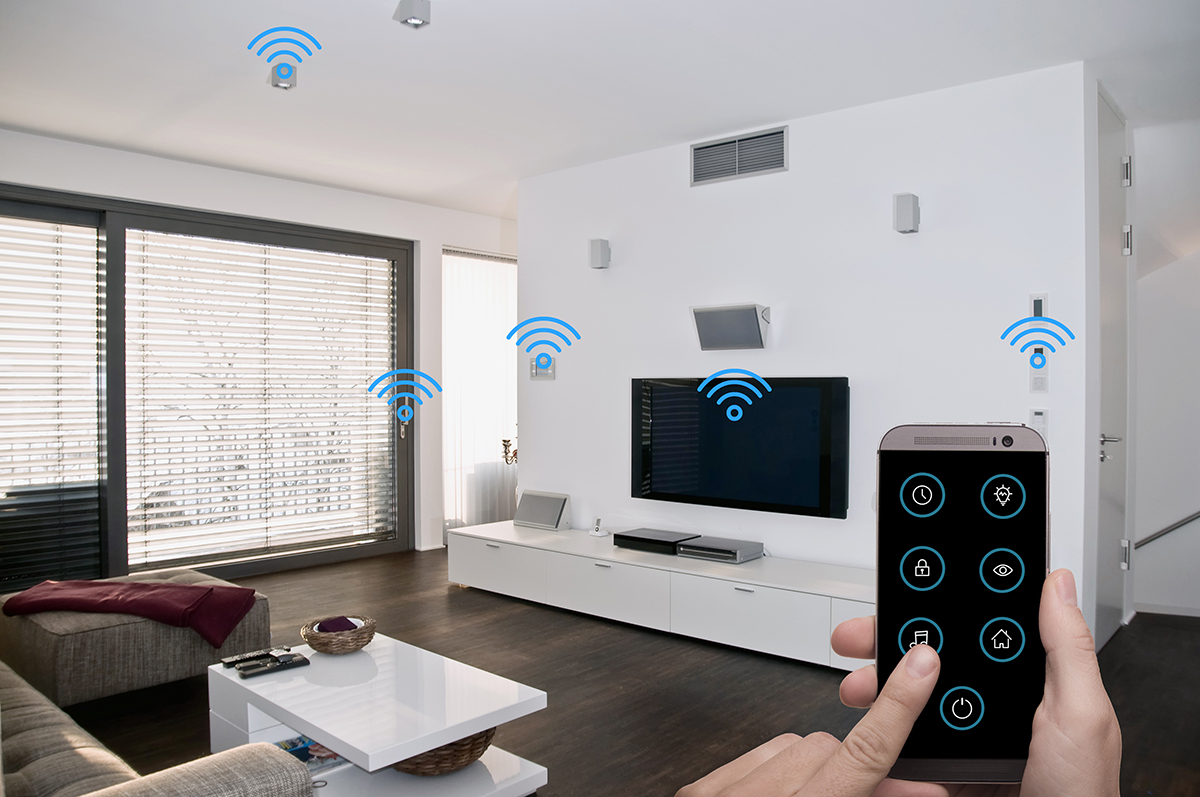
column 1002, row 570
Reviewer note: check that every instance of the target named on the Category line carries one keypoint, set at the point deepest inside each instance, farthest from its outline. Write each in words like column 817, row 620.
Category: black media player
column 652, row 540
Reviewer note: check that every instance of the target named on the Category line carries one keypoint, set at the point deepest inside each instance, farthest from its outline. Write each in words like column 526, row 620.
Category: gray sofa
column 43, row 753
column 71, row 657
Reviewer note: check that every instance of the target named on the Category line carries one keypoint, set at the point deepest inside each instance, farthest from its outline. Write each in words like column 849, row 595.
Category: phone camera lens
column 1007, row 441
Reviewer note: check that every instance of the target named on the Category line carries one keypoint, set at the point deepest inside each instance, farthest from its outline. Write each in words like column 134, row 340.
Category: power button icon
column 962, row 708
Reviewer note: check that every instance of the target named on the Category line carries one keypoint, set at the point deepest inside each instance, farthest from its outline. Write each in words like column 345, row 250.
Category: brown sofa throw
column 212, row 611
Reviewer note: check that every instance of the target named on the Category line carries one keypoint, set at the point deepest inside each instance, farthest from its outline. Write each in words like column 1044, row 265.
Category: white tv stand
column 782, row 606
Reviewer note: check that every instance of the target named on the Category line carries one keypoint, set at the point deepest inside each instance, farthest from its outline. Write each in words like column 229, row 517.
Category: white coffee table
column 383, row 704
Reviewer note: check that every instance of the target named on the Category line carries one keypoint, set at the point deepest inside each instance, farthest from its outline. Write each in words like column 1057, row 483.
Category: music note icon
column 919, row 638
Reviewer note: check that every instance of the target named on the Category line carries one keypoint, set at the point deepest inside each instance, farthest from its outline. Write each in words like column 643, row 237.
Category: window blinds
column 251, row 432
column 49, row 405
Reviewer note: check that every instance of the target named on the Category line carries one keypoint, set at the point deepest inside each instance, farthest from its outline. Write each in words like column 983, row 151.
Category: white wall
column 913, row 320
column 67, row 166
column 1168, row 426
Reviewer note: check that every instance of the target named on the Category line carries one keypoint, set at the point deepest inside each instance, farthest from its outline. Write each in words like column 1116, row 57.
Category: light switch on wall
column 540, row 373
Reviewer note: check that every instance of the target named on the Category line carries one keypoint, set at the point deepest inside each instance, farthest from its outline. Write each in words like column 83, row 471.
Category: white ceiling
column 493, row 91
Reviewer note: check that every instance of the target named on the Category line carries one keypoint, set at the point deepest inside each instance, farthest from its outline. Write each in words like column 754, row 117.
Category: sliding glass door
column 250, row 430
column 50, row 438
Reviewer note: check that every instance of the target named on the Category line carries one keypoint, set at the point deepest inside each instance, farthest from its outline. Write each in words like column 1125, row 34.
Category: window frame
column 113, row 218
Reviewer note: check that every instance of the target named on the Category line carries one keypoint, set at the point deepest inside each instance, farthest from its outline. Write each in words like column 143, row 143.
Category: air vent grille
column 758, row 153
column 952, row 441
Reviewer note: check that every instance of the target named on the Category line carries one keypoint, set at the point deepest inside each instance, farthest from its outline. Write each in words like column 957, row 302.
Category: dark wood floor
column 633, row 711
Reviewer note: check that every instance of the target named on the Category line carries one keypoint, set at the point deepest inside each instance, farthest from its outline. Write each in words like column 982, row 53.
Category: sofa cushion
column 43, row 753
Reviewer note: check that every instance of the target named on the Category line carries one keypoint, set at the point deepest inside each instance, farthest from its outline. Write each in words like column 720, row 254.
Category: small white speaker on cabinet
column 543, row 511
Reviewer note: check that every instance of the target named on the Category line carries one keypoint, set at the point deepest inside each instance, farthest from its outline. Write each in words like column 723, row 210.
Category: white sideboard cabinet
column 785, row 607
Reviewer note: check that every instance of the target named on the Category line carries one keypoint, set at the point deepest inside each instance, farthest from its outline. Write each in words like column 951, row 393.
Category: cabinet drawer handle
column 491, row 545
column 743, row 589
column 601, row 564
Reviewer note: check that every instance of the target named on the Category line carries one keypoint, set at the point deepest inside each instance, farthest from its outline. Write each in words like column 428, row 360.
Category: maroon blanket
column 212, row 611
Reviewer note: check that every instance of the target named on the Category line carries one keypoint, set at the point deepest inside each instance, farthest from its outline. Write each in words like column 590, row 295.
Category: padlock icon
column 922, row 568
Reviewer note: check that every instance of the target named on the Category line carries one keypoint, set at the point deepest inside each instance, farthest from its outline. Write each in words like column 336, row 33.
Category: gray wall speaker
column 598, row 253
column 543, row 511
column 740, row 326
column 906, row 212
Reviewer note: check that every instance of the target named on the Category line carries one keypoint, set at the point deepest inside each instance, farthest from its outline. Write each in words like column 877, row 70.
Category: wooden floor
column 633, row 711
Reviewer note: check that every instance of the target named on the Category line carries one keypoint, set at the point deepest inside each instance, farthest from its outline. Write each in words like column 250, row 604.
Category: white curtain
column 479, row 370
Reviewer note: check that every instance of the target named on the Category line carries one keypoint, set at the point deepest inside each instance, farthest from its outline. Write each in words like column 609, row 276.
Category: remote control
column 249, row 669
column 254, row 655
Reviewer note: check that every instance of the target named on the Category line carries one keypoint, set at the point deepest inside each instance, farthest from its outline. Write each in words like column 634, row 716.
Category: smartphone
column 963, row 551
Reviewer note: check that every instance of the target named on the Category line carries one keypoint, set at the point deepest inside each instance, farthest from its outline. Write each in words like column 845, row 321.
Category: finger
column 855, row 639
column 1075, row 693
column 724, row 777
column 908, row 788
column 872, row 747
column 860, row 687
column 788, row 771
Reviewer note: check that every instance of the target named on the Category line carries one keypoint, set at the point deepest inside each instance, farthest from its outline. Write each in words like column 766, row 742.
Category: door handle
column 1106, row 439
column 601, row 564
column 491, row 545
column 743, row 589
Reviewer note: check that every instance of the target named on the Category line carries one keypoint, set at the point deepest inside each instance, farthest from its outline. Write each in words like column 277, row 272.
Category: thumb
column 1072, row 672
column 872, row 747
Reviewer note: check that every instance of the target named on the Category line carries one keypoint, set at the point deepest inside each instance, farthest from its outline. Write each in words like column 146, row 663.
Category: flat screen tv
column 784, row 451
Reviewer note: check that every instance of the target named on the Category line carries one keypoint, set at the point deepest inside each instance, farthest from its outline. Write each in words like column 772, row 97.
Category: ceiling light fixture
column 414, row 13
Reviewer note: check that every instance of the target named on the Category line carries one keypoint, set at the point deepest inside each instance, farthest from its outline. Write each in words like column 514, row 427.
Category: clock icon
column 922, row 495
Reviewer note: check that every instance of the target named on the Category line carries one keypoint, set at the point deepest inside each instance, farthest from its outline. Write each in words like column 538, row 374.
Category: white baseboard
column 1153, row 608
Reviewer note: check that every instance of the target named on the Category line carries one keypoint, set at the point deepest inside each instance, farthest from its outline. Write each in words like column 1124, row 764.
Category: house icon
column 1000, row 643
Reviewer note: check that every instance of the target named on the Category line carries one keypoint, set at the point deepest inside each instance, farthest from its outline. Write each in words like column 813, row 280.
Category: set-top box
column 720, row 549
column 652, row 540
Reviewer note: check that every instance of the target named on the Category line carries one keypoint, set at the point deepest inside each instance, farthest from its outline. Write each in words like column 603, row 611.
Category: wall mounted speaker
column 906, row 213
column 598, row 253
column 740, row 326
column 543, row 511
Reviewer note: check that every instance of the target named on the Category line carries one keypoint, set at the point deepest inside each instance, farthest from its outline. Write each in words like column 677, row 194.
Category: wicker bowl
column 339, row 642
column 449, row 757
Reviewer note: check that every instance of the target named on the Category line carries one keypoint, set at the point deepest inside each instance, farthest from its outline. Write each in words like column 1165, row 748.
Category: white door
column 1114, row 384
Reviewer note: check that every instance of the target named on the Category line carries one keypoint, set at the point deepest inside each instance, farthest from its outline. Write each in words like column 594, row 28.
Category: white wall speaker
column 598, row 253
column 738, row 326
column 906, row 213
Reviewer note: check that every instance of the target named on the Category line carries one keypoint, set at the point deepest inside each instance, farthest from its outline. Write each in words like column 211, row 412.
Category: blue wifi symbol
column 543, row 358
column 734, row 411
column 1038, row 359
column 405, row 411
column 283, row 70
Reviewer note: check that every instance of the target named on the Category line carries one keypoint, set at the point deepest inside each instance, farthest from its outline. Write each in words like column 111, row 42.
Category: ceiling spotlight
column 414, row 13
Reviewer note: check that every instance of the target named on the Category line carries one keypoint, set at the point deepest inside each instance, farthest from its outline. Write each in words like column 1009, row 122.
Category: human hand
column 817, row 764
column 1076, row 745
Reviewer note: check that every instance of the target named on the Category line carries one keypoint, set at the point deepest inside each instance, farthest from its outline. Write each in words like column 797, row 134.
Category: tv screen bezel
column 834, row 450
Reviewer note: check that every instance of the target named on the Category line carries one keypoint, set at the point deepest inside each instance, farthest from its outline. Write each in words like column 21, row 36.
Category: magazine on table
column 317, row 757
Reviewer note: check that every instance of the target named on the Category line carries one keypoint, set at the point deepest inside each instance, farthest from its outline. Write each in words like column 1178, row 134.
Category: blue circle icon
column 1037, row 360
column 963, row 709
column 284, row 71
column 921, row 637
column 734, row 413
column 917, row 572
column 543, row 360
column 1001, row 641
column 404, row 412
column 923, row 495
column 1003, row 572
column 1003, row 497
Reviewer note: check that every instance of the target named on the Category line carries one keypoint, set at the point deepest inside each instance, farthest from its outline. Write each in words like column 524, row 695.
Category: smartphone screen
column 962, row 548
